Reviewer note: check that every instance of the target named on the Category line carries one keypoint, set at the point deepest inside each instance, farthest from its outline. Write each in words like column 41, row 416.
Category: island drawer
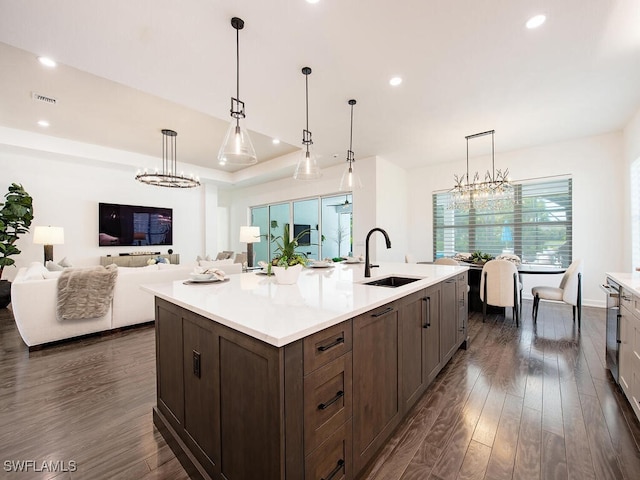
column 332, row 459
column 327, row 345
column 327, row 400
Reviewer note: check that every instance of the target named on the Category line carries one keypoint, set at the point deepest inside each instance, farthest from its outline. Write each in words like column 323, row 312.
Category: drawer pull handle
column 338, row 396
column 337, row 341
column 196, row 363
column 335, row 471
column 427, row 301
column 383, row 312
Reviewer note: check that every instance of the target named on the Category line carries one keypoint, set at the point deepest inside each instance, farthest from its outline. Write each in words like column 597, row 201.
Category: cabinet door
column 170, row 389
column 448, row 319
column 431, row 333
column 412, row 317
column 201, row 380
column 625, row 345
column 376, row 409
column 463, row 309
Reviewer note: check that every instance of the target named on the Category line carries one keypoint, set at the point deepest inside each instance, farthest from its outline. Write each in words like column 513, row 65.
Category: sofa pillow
column 224, row 255
column 36, row 271
column 53, row 267
column 65, row 263
column 203, row 257
column 53, row 274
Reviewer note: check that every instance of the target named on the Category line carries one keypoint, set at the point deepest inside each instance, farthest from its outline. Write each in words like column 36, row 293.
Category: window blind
column 535, row 224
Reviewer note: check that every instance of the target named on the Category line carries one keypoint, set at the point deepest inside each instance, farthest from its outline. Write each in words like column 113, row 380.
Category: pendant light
column 169, row 176
column 237, row 148
column 307, row 167
column 350, row 181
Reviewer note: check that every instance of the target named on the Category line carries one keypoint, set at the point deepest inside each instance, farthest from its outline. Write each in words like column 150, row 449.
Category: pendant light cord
column 238, row 64
column 306, row 82
column 351, row 131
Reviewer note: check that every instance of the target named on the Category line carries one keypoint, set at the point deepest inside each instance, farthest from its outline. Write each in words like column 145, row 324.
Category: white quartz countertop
column 256, row 305
column 629, row 280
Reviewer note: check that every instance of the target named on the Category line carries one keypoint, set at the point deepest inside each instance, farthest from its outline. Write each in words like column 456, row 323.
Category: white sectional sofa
column 34, row 297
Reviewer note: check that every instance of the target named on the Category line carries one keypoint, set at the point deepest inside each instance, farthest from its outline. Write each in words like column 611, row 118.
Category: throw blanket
column 85, row 292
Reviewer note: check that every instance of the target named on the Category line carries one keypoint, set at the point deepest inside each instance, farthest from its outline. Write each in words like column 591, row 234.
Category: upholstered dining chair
column 569, row 291
column 446, row 261
column 500, row 286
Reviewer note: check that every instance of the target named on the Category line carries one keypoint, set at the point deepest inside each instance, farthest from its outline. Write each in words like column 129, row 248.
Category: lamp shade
column 48, row 236
column 249, row 234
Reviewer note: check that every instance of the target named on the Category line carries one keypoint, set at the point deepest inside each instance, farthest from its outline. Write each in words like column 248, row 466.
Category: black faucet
column 367, row 265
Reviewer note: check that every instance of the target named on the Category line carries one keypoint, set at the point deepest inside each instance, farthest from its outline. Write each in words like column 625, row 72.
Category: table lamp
column 48, row 236
column 249, row 235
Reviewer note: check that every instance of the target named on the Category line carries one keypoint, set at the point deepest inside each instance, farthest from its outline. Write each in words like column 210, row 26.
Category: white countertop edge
column 629, row 280
column 394, row 294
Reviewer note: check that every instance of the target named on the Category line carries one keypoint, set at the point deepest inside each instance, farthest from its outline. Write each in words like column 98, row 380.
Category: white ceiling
column 129, row 69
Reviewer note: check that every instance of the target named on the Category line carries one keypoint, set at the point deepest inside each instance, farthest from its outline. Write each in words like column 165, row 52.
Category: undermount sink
column 392, row 281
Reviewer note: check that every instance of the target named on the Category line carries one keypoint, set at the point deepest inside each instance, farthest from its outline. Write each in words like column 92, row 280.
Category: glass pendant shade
column 237, row 148
column 307, row 168
column 350, row 180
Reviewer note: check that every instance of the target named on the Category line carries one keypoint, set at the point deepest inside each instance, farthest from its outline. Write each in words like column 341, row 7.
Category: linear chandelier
column 169, row 176
column 350, row 180
column 237, row 148
column 489, row 193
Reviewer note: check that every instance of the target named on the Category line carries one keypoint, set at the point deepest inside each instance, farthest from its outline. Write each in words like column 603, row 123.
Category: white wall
column 66, row 191
column 630, row 236
column 597, row 167
column 382, row 202
column 239, row 200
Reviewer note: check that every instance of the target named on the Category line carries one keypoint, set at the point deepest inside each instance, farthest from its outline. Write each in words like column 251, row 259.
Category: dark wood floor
column 521, row 403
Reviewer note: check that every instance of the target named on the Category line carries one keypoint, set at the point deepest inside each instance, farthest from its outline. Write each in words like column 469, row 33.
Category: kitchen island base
column 234, row 407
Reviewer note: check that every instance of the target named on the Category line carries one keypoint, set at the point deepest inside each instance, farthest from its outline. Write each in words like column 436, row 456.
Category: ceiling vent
column 43, row 98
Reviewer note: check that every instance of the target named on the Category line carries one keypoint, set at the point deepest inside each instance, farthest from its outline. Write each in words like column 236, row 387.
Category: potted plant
column 16, row 216
column 287, row 264
column 480, row 258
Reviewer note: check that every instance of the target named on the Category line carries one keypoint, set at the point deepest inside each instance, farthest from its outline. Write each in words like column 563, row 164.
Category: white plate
column 351, row 262
column 319, row 266
column 210, row 280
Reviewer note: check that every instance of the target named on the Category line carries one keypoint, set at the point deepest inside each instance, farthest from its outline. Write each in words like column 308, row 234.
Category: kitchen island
column 623, row 335
column 260, row 380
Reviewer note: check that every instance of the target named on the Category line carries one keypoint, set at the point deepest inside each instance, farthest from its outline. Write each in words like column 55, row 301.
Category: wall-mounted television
column 131, row 225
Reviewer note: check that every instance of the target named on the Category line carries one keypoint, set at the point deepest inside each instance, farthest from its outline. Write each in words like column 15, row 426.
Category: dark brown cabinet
column 375, row 381
column 419, row 316
column 462, row 295
column 449, row 319
column 234, row 407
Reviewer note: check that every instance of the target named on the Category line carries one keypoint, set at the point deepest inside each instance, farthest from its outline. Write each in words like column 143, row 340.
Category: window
column 536, row 224
column 325, row 225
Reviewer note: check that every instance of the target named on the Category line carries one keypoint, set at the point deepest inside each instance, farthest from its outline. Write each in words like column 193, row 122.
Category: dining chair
column 409, row 258
column 500, row 286
column 446, row 261
column 569, row 291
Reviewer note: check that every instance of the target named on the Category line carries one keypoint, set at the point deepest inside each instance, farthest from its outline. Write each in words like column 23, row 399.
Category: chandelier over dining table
column 491, row 193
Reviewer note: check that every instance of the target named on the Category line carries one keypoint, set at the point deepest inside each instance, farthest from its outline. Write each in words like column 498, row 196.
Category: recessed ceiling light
column 47, row 61
column 535, row 22
column 276, row 141
column 395, row 81
column 313, row 1
column 43, row 123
